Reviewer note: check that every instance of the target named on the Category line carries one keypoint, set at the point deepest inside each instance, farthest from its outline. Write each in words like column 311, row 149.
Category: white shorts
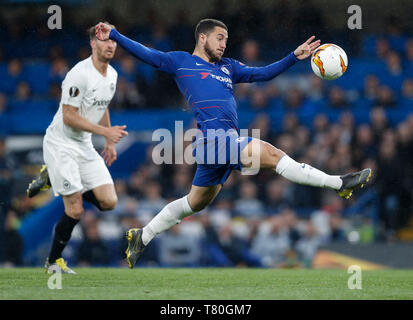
column 70, row 171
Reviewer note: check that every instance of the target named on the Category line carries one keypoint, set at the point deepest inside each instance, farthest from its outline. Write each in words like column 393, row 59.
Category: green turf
column 203, row 283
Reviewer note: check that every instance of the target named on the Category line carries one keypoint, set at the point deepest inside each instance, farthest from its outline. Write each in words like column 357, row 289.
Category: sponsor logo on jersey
column 219, row 78
column 101, row 103
column 226, row 80
column 222, row 79
column 74, row 91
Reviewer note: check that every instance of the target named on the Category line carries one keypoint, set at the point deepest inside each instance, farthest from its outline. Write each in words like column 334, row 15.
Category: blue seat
column 162, row 44
column 408, row 69
column 362, row 104
column 4, row 124
column 38, row 77
column 397, row 43
column 145, row 71
column 369, row 45
column 395, row 82
column 307, row 112
column 406, row 104
column 129, row 160
column 397, row 115
column 36, row 47
column 275, row 104
column 245, row 118
column 136, row 120
column 277, row 118
column 18, row 107
column 3, row 77
column 9, row 84
column 30, row 120
column 357, row 70
column 243, row 104
column 361, row 116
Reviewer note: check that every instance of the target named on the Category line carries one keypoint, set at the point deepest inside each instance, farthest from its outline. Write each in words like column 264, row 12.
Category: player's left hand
column 307, row 48
column 109, row 153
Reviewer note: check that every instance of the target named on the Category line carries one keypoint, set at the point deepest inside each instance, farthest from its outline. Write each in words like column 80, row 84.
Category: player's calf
column 201, row 197
column 62, row 234
column 74, row 206
column 103, row 197
column 105, row 204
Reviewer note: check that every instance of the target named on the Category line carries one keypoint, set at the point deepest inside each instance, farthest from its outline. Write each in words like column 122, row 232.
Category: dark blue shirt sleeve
column 243, row 73
column 164, row 61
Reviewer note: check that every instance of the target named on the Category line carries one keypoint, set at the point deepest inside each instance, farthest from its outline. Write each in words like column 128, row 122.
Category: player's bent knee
column 75, row 213
column 201, row 204
column 108, row 204
column 198, row 207
column 273, row 155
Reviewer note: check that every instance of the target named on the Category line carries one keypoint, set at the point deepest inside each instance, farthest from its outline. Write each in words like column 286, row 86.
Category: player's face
column 105, row 50
column 215, row 43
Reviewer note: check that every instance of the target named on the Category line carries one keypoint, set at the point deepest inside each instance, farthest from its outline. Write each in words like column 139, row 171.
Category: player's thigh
column 200, row 197
column 94, row 174
column 106, row 195
column 63, row 169
column 260, row 154
column 74, row 205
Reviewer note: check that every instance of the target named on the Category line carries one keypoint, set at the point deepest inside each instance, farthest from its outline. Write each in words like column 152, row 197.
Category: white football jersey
column 84, row 87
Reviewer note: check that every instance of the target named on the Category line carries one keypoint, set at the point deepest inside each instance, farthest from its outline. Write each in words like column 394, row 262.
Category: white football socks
column 305, row 174
column 169, row 216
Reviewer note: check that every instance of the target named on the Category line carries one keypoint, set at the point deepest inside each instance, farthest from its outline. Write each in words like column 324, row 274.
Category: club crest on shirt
column 112, row 86
column 74, row 92
column 66, row 185
column 225, row 70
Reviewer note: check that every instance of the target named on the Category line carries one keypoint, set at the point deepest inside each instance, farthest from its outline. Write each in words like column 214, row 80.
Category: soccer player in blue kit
column 206, row 80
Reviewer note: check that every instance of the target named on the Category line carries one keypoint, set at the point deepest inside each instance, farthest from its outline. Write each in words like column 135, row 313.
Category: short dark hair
column 207, row 25
column 92, row 32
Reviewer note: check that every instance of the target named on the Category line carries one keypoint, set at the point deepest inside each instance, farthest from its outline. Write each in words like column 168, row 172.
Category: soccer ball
column 329, row 61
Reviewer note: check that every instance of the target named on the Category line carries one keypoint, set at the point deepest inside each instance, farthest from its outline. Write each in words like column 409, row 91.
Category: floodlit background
column 364, row 119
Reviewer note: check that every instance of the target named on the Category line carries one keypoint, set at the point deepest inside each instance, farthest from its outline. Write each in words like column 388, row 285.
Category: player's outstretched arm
column 72, row 118
column 243, row 73
column 148, row 55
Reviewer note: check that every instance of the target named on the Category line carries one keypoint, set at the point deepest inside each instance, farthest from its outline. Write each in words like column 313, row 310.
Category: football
column 329, row 61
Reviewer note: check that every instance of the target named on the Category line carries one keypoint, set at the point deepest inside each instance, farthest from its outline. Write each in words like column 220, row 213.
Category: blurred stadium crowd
column 364, row 119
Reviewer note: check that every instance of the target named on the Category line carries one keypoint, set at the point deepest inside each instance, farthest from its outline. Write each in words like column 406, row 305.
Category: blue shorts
column 227, row 158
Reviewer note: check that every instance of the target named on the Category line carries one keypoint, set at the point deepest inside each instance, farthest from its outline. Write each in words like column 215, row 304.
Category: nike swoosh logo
column 93, row 90
column 198, row 64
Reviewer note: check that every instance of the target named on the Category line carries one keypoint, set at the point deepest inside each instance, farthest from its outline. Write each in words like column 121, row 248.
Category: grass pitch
column 205, row 284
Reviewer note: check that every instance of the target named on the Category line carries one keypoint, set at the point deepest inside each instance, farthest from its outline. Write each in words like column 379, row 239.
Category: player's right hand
column 307, row 48
column 102, row 31
column 115, row 133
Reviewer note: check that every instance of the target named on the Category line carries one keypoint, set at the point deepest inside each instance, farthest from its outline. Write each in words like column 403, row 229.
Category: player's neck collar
column 211, row 63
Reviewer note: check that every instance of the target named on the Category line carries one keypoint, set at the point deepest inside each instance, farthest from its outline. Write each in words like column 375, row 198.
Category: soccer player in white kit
column 76, row 171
